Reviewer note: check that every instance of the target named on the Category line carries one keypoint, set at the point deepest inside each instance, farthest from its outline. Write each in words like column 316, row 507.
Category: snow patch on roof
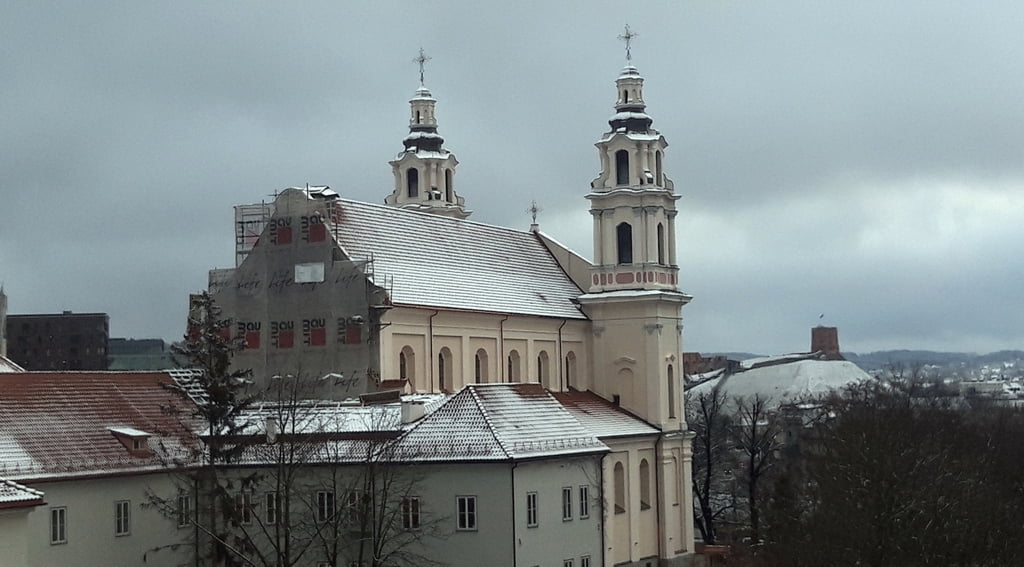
column 787, row 382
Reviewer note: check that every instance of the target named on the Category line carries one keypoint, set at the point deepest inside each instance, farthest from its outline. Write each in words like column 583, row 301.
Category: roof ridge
column 490, row 424
column 433, row 216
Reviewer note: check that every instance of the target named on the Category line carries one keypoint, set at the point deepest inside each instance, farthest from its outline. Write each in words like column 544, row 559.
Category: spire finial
column 421, row 60
column 627, row 36
column 533, row 210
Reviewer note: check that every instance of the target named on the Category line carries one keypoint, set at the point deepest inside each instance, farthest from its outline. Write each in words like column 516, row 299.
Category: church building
column 412, row 295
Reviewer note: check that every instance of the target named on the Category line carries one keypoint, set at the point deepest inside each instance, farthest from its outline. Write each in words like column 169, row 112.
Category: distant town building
column 65, row 341
column 139, row 354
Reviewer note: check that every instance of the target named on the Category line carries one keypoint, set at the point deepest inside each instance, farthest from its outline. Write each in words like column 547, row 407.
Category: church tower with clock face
column 425, row 170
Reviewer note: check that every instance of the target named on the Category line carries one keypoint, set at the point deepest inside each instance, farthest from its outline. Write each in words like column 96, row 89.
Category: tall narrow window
column 403, row 370
column 412, row 182
column 272, row 507
column 624, row 241
column 531, row 510
column 513, row 366
column 622, row 167
column 324, row 506
column 619, row 476
column 645, row 485
column 122, row 518
column 584, row 501
column 657, row 169
column 566, row 503
column 671, row 392
column 570, row 369
column 480, row 366
column 407, row 366
column 661, row 244
column 444, row 369
column 625, row 96
column 543, row 366
column 466, row 507
column 184, row 511
column 58, row 525
column 243, row 508
column 448, row 185
column 418, row 117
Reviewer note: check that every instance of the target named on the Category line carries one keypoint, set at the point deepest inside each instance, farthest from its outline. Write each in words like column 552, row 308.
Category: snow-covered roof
column 785, row 382
column 8, row 365
column 602, row 418
column 14, row 495
column 60, row 424
column 498, row 422
column 439, row 262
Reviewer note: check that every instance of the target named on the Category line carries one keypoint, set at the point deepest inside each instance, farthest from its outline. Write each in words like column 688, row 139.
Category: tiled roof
column 59, row 424
column 8, row 365
column 434, row 261
column 498, row 422
column 14, row 495
column 602, row 418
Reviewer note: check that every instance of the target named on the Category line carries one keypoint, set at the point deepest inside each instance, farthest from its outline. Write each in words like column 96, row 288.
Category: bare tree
column 709, row 420
column 757, row 434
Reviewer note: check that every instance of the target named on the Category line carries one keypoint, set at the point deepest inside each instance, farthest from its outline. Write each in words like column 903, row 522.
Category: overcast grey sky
column 864, row 160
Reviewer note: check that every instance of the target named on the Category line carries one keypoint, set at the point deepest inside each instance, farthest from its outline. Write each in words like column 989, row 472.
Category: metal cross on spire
column 628, row 37
column 422, row 60
column 533, row 210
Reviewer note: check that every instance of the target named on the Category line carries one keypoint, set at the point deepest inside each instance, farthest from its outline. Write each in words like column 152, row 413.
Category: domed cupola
column 630, row 115
column 425, row 170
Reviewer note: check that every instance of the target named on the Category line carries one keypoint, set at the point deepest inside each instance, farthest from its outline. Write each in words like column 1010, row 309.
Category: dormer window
column 134, row 440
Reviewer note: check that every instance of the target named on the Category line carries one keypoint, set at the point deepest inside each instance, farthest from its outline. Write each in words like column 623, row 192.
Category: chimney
column 412, row 410
column 272, row 430
column 826, row 340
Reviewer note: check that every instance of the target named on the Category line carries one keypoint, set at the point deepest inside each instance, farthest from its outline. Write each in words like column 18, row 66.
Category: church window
column 480, row 366
column 412, row 182
column 542, row 369
column 449, row 187
column 407, row 365
column 624, row 240
column 661, row 244
column 671, row 392
column 444, row 369
column 620, row 488
column 513, row 366
column 625, row 96
column 622, row 167
column 657, row 168
column 570, row 369
column 418, row 117
column 645, row 485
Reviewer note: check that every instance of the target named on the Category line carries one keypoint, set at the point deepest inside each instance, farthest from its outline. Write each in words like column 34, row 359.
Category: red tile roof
column 66, row 423
column 601, row 417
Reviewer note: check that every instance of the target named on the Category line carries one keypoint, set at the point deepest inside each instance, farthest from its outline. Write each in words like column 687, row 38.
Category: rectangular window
column 58, row 525
column 585, row 561
column 531, row 509
column 356, row 504
column 273, row 505
column 324, row 506
column 122, row 517
column 411, row 512
column 567, row 563
column 184, row 511
column 467, row 512
column 243, row 508
column 566, row 503
column 584, row 501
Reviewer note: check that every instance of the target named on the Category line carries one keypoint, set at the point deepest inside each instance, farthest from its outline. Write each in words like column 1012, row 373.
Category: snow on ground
column 786, row 382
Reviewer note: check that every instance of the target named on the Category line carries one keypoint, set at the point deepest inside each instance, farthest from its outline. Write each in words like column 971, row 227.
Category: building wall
column 66, row 341
column 424, row 334
column 302, row 306
column 14, row 536
column 91, row 541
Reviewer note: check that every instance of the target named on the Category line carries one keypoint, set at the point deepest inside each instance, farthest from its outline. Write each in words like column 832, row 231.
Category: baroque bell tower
column 425, row 171
column 634, row 299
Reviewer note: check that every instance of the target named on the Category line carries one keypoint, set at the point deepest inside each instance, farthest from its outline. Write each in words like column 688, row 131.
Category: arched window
column 570, row 369
column 671, row 392
column 444, row 369
column 513, row 366
column 661, row 244
column 657, row 169
column 543, row 368
column 407, row 365
column 620, row 488
column 418, row 117
column 412, row 182
column 622, row 167
column 480, row 366
column 624, row 240
column 625, row 96
column 645, row 485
